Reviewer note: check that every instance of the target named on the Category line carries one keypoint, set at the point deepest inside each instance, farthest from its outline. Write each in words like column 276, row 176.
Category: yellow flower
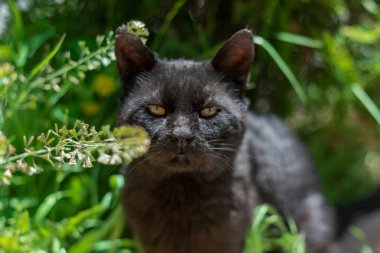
column 6, row 69
column 104, row 85
column 90, row 108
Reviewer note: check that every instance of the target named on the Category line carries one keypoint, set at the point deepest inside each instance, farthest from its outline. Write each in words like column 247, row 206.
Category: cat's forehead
column 185, row 70
column 182, row 80
column 180, row 64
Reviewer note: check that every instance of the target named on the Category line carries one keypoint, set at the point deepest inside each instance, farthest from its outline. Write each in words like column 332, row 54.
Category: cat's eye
column 156, row 110
column 209, row 112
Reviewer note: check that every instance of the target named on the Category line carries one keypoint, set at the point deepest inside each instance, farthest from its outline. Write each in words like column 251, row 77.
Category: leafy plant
column 269, row 232
column 53, row 72
column 74, row 146
column 31, row 223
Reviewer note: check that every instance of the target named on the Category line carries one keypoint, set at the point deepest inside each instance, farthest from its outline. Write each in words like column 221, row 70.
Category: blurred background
column 317, row 66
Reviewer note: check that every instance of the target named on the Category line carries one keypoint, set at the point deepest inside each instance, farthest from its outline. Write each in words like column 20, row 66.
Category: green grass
column 269, row 232
column 317, row 65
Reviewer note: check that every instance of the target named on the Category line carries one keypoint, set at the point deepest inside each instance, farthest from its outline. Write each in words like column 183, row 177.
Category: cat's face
column 193, row 111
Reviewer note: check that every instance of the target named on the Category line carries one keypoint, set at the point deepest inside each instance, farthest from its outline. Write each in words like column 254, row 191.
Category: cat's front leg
column 317, row 222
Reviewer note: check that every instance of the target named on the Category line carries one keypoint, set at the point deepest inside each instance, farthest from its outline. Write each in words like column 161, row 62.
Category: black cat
column 210, row 162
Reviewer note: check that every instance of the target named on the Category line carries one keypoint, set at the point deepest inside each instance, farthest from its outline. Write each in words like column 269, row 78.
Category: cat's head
column 194, row 112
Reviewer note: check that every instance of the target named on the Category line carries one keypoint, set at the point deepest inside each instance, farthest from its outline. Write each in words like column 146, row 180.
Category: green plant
column 269, row 232
column 327, row 51
column 74, row 146
column 59, row 158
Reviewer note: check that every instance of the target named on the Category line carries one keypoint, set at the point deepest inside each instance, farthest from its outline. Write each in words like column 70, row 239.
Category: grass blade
column 362, row 237
column 88, row 241
column 47, row 59
column 18, row 28
column 367, row 102
column 47, row 205
column 164, row 27
column 299, row 40
column 68, row 226
column 283, row 66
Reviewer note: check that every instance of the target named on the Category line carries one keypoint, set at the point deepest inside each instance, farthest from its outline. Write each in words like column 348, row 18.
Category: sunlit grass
column 46, row 78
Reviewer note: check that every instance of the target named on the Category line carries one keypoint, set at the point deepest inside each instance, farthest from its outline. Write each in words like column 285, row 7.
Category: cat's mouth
column 181, row 158
column 180, row 161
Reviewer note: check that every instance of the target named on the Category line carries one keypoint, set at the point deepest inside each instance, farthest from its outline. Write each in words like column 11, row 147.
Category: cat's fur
column 196, row 188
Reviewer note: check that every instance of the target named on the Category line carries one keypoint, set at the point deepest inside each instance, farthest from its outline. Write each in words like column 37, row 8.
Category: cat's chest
column 179, row 201
column 184, row 217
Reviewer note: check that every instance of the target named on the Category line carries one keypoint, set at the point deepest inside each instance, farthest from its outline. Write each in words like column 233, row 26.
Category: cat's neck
column 158, row 176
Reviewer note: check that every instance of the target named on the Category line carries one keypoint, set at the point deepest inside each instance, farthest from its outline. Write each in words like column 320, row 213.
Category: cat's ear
column 234, row 59
column 132, row 56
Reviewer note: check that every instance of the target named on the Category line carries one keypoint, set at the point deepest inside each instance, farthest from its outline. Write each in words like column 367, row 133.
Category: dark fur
column 197, row 187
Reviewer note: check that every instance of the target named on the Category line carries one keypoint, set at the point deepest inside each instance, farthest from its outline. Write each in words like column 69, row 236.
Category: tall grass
column 317, row 65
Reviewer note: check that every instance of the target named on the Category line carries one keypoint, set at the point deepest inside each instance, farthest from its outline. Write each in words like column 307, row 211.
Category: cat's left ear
column 234, row 59
column 132, row 56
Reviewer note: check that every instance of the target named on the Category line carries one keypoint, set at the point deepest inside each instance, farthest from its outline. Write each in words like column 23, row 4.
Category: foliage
column 75, row 146
column 317, row 66
column 268, row 232
column 31, row 224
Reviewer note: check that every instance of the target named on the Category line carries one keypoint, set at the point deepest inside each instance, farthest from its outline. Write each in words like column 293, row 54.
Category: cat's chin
column 182, row 163
column 181, row 160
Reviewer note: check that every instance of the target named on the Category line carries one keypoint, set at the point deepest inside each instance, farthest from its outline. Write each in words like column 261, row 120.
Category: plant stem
column 26, row 154
column 59, row 72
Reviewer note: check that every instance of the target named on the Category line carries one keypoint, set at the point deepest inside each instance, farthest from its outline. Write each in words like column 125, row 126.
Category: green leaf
column 362, row 237
column 111, row 245
column 23, row 223
column 6, row 52
column 367, row 102
column 361, row 34
column 168, row 19
column 41, row 138
column 87, row 242
column 371, row 6
column 47, row 205
column 260, row 237
column 73, row 132
column 18, row 25
column 343, row 65
column 299, row 40
column 283, row 67
column 39, row 39
column 340, row 60
column 71, row 224
column 47, row 59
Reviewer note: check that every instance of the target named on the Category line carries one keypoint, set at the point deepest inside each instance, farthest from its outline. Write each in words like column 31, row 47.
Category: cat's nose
column 182, row 140
column 182, row 133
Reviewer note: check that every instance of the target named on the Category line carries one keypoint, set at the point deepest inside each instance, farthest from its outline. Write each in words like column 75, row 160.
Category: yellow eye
column 209, row 112
column 157, row 110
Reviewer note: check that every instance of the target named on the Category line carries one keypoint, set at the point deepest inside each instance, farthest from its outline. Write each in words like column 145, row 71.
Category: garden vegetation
column 317, row 66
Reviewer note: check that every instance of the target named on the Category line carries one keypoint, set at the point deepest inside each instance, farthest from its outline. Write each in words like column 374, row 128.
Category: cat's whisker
column 225, row 149
column 133, row 168
column 217, row 140
column 221, row 162
column 221, row 140
column 221, row 158
column 232, row 150
column 158, row 129
column 216, row 144
column 227, row 146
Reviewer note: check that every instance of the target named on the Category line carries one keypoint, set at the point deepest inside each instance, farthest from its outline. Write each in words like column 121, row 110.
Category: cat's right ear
column 132, row 56
column 235, row 58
